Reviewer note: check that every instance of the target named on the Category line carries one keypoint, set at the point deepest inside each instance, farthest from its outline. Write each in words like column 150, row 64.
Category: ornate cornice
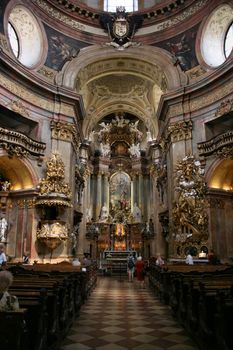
column 221, row 145
column 65, row 132
column 198, row 95
column 35, row 99
column 224, row 108
column 74, row 15
column 20, row 145
column 179, row 18
column 180, row 131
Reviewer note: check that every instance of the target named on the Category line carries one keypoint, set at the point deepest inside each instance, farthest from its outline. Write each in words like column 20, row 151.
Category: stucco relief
column 24, row 23
column 154, row 28
column 113, row 88
column 175, row 20
column 218, row 20
column 66, row 19
column 153, row 72
column 65, row 132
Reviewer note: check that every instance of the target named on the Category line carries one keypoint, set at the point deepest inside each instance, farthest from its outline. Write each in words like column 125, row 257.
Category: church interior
column 115, row 139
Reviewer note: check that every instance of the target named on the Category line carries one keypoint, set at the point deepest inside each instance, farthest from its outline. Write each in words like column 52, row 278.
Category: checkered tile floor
column 120, row 315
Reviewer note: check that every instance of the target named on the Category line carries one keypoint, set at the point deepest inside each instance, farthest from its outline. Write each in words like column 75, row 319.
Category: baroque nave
column 116, row 133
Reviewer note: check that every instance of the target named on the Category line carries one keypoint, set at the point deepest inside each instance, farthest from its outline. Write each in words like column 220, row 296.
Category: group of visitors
column 138, row 267
column 212, row 258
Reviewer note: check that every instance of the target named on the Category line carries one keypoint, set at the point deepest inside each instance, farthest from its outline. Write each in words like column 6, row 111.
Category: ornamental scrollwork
column 65, row 132
column 189, row 218
column 225, row 152
column 180, row 131
column 53, row 188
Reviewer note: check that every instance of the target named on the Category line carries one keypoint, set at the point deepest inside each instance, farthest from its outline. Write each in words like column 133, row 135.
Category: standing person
column 130, row 267
column 140, row 271
column 7, row 302
column 2, row 255
column 189, row 259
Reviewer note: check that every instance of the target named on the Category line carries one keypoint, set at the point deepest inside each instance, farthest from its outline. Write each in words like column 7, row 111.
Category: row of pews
column 200, row 298
column 50, row 298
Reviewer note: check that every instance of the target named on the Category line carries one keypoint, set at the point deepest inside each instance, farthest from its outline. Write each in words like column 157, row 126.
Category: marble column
column 140, row 192
column 106, row 190
column 98, row 195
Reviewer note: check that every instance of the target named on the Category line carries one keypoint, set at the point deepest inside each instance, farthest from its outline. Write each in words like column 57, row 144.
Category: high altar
column 118, row 219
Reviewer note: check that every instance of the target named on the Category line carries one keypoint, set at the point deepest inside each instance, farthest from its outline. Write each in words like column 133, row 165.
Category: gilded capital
column 180, row 131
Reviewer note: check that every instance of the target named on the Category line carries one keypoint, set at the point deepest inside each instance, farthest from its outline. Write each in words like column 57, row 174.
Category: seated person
column 7, row 302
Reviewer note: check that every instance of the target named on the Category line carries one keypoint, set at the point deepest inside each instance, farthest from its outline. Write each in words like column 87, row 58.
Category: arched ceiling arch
column 19, row 173
column 96, row 60
column 112, row 81
column 221, row 177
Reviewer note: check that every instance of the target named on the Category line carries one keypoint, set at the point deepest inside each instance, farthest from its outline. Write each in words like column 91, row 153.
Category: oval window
column 25, row 36
column 13, row 38
column 217, row 36
column 229, row 41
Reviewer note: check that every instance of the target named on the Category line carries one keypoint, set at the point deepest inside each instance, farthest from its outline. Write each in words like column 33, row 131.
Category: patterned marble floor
column 120, row 315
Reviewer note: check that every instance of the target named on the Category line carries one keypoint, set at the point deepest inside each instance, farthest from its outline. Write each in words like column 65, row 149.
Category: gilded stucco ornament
column 180, row 131
column 52, row 189
column 53, row 192
column 52, row 233
column 189, row 217
column 20, row 145
column 65, row 132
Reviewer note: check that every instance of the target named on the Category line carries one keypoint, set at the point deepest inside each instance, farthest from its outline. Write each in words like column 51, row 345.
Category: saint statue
column 3, row 228
column 137, row 214
column 104, row 213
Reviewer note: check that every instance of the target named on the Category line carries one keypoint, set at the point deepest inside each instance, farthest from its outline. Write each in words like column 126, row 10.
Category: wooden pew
column 13, row 322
